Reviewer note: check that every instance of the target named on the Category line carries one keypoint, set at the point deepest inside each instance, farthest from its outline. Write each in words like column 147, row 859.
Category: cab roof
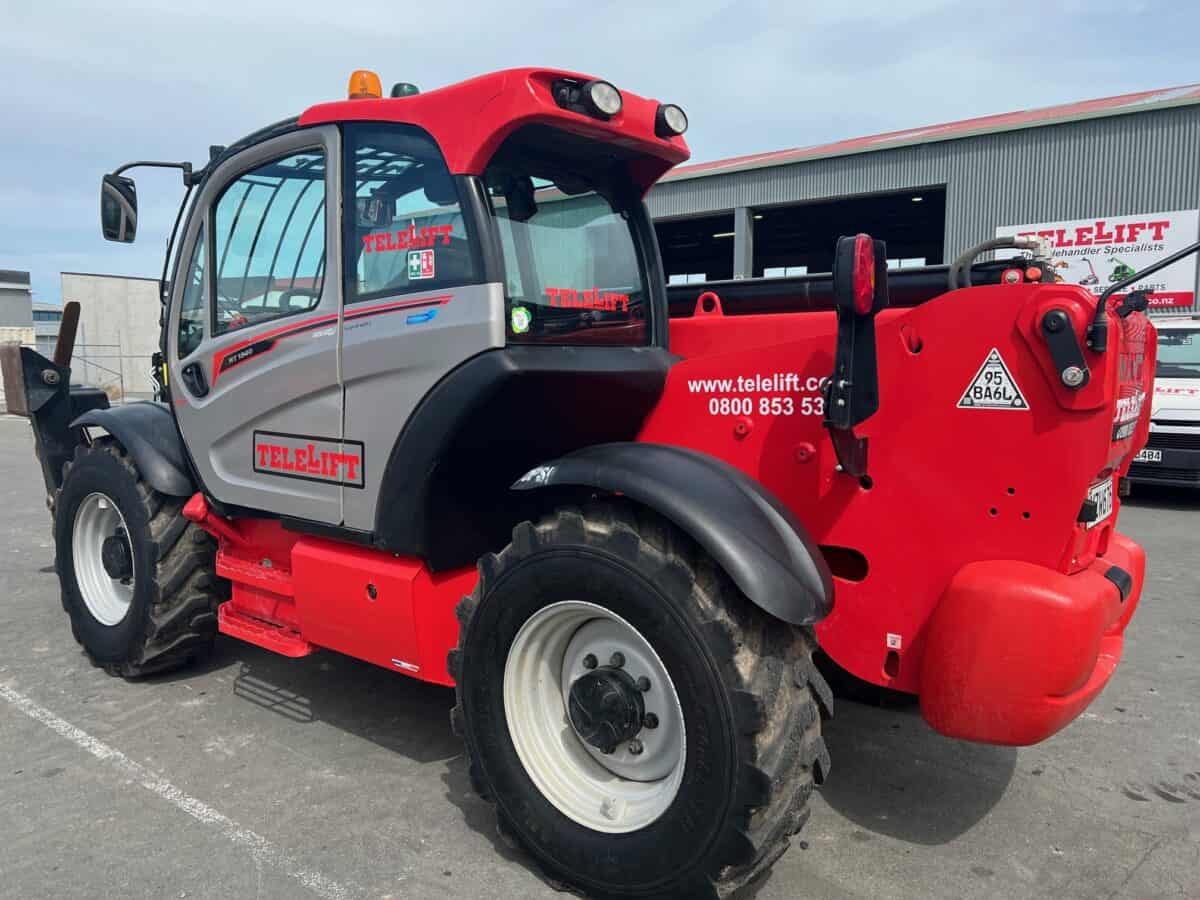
column 469, row 120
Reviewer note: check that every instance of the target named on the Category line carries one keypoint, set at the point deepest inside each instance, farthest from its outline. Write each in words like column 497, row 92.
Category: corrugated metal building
column 931, row 192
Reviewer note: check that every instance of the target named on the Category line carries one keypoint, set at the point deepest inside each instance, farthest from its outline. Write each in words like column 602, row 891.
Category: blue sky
column 86, row 86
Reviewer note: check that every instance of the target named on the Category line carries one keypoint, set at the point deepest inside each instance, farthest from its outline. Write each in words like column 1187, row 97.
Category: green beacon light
column 404, row 89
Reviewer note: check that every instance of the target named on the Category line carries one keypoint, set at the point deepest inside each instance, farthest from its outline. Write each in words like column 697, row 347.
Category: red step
column 276, row 638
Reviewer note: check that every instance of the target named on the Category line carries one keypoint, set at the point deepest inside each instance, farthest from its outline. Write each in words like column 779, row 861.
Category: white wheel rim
column 616, row 793
column 107, row 599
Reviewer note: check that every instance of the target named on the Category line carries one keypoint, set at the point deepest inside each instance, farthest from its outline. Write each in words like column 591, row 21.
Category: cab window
column 191, row 308
column 573, row 272
column 269, row 248
column 405, row 231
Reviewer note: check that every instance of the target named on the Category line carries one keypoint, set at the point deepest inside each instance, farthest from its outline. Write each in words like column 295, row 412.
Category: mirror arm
column 185, row 167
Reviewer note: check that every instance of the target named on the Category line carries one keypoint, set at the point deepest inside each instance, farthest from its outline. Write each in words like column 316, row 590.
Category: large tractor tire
column 641, row 728
column 138, row 580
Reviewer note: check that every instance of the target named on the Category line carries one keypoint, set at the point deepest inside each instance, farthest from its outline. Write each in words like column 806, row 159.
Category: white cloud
column 87, row 86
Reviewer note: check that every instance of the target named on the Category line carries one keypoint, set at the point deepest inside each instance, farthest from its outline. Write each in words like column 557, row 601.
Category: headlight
column 602, row 97
column 670, row 121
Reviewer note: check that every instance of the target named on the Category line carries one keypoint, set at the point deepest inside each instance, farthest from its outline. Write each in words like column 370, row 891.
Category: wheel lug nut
column 643, row 684
column 590, row 661
column 650, row 720
column 635, row 747
column 617, row 660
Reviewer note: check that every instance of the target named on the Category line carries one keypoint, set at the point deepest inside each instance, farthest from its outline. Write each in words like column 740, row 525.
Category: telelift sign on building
column 1101, row 251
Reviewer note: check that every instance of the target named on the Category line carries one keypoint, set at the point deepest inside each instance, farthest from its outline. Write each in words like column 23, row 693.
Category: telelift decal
column 590, row 298
column 411, row 238
column 309, row 458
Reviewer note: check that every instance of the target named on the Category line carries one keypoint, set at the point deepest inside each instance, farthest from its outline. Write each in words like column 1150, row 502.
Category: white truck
column 1172, row 454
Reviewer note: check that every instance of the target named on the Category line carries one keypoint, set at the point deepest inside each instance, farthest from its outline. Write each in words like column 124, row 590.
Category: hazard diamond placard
column 993, row 387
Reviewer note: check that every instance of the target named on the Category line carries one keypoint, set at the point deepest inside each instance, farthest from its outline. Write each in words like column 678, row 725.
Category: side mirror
column 118, row 208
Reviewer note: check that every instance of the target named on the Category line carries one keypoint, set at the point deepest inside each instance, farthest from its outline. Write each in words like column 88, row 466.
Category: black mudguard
column 148, row 433
column 752, row 536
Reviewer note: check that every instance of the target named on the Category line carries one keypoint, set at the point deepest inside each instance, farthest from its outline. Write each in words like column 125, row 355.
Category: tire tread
column 765, row 666
column 181, row 622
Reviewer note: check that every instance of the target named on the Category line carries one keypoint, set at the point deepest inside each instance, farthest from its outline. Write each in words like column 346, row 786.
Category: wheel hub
column 606, row 708
column 116, row 556
column 561, row 726
column 103, row 558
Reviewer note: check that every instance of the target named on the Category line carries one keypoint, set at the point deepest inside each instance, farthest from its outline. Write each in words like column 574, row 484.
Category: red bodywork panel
column 293, row 593
column 470, row 120
column 961, row 571
column 968, row 520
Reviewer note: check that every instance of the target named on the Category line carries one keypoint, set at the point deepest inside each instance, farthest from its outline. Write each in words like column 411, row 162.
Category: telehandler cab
column 423, row 403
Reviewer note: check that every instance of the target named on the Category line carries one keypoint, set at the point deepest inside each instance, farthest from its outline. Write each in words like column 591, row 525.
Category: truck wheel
column 642, row 729
column 138, row 580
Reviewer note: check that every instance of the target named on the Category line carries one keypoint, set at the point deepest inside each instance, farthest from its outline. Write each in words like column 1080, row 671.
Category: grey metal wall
column 1121, row 165
column 16, row 308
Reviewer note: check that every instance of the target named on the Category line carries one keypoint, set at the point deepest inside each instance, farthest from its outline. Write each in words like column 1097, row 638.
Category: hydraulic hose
column 960, row 269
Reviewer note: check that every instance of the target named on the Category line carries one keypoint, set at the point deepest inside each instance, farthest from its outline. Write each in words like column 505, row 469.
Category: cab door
column 254, row 330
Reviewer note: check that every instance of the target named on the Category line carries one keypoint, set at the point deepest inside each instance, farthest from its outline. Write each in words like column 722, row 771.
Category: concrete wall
column 118, row 331
column 19, row 334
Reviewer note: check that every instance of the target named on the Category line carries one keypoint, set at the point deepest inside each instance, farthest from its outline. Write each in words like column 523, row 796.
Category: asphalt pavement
column 258, row 776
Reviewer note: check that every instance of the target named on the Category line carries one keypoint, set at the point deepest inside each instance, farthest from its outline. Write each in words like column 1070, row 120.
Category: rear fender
column 751, row 535
column 149, row 435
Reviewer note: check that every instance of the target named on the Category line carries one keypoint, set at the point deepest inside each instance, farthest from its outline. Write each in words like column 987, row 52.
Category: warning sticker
column 993, row 387
column 420, row 264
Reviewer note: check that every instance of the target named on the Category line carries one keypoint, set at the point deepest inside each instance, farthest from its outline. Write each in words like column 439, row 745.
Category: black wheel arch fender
column 149, row 435
column 759, row 543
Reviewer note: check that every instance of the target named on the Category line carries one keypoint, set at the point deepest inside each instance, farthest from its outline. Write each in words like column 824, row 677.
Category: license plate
column 1148, row 455
column 1102, row 495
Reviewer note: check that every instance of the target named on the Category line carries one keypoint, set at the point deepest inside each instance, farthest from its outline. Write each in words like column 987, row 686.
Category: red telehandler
column 423, row 401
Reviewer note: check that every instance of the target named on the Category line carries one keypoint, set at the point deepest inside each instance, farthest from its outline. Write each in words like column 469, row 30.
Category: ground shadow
column 894, row 775
column 402, row 715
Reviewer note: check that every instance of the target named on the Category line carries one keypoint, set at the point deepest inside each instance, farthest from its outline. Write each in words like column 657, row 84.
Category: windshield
column 572, row 269
column 1178, row 353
